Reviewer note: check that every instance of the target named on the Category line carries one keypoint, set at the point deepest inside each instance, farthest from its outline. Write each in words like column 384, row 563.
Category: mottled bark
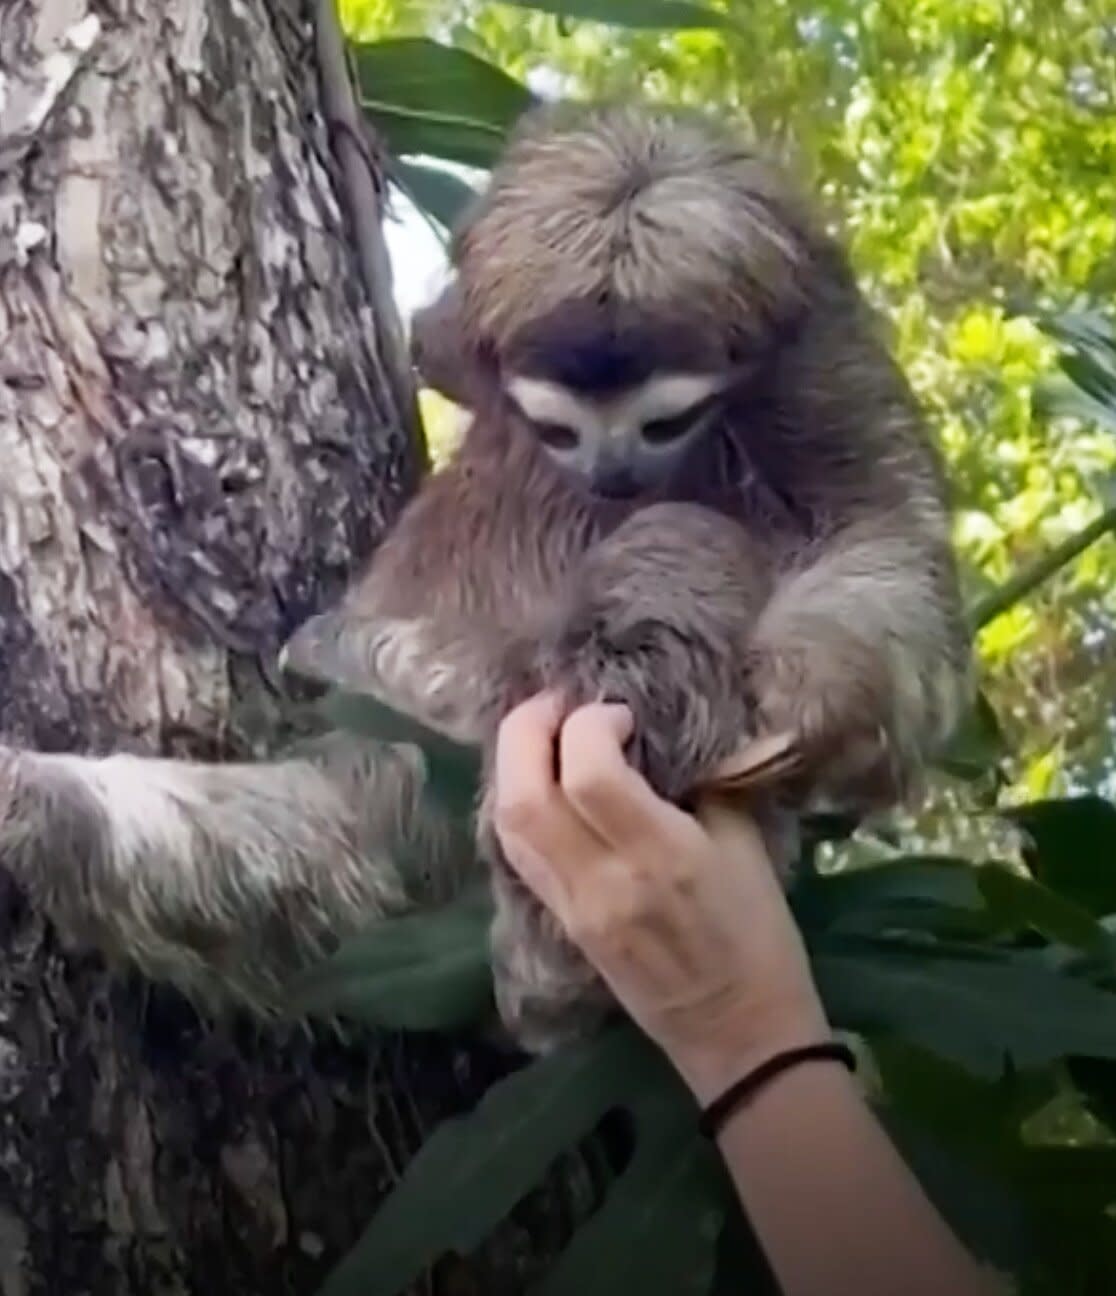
column 198, row 442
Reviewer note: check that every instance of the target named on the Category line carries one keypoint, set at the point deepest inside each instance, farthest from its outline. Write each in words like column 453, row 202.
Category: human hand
column 682, row 916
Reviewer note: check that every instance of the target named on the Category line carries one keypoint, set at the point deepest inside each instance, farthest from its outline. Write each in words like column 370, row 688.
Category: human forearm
column 838, row 1212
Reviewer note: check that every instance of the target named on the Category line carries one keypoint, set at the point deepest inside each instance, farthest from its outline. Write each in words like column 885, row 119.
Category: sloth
column 693, row 480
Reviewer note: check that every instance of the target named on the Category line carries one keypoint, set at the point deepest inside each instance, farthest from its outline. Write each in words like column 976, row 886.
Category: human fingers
column 739, row 845
column 599, row 783
column 544, row 839
column 728, row 822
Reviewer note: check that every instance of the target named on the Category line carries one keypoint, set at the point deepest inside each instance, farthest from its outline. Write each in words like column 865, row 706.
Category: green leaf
column 1095, row 379
column 1072, row 848
column 977, row 745
column 668, row 15
column 1059, row 398
column 928, row 892
column 974, row 1004
column 966, row 1111
column 1021, row 902
column 439, row 193
column 473, row 1170
column 452, row 138
column 657, row 1231
column 427, row 971
column 976, row 1202
column 1089, row 330
column 427, row 76
column 438, row 100
column 1095, row 1079
column 453, row 769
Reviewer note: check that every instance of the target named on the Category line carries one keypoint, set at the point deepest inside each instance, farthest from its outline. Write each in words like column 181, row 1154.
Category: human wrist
column 711, row 1065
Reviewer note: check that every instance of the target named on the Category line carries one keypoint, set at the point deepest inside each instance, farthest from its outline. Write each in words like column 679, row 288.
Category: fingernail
column 619, row 716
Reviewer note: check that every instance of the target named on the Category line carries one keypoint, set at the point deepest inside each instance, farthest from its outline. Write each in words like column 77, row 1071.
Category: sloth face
column 623, row 443
column 616, row 399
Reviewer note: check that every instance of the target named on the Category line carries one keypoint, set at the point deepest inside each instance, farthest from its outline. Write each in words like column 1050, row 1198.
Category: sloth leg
column 657, row 617
column 222, row 879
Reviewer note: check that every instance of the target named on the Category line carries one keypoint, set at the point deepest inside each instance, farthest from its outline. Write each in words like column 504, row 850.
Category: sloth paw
column 688, row 711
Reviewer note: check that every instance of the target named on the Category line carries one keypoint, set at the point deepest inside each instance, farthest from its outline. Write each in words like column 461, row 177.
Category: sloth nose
column 614, row 483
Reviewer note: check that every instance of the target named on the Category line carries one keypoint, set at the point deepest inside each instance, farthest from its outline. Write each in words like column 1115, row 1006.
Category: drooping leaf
column 1059, row 398
column 438, row 192
column 1072, row 848
column 453, row 769
column 978, row 1204
column 428, row 76
column 452, row 138
column 934, row 893
column 658, row 1228
column 977, row 745
column 426, row 971
column 1097, row 379
column 1021, row 902
column 437, row 100
column 969, row 1112
column 1088, row 330
column 668, row 15
column 1080, row 1177
column 975, row 1004
column 474, row 1169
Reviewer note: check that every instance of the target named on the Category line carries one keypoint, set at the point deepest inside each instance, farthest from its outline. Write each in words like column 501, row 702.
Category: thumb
column 727, row 821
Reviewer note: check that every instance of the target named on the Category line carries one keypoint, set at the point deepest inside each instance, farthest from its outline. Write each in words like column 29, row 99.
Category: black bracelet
column 714, row 1116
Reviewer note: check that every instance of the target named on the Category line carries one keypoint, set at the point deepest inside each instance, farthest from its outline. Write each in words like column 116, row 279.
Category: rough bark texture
column 197, row 445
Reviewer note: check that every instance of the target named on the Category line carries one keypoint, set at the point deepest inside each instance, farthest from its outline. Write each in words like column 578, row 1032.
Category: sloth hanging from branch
column 693, row 480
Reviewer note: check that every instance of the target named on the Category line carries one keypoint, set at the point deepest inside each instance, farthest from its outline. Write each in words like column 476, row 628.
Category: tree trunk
column 199, row 440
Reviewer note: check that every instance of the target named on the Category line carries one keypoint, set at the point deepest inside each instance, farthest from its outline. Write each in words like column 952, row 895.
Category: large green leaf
column 1095, row 1080
column 473, row 1170
column 1060, row 398
column 977, row 745
column 457, row 138
column 453, row 769
column 657, row 1231
column 437, row 100
column 977, row 1203
column 427, row 76
column 670, row 15
column 425, row 971
column 934, row 893
column 1020, row 902
column 974, row 1004
column 437, row 192
column 971, row 1113
column 1087, row 387
column 1072, row 848
column 1088, row 330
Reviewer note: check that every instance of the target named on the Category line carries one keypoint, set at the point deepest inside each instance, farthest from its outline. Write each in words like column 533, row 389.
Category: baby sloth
column 694, row 481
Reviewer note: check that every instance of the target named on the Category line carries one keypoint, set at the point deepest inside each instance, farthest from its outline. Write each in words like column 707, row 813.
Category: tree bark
column 200, row 438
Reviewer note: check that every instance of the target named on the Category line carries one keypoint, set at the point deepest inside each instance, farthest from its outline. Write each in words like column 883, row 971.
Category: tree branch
column 996, row 603
column 360, row 180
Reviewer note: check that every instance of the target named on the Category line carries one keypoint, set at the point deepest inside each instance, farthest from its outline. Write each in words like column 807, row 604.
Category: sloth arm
column 221, row 879
column 862, row 652
column 225, row 878
column 854, row 643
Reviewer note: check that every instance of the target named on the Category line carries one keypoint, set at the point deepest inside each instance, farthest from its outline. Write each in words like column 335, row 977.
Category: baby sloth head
column 627, row 274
